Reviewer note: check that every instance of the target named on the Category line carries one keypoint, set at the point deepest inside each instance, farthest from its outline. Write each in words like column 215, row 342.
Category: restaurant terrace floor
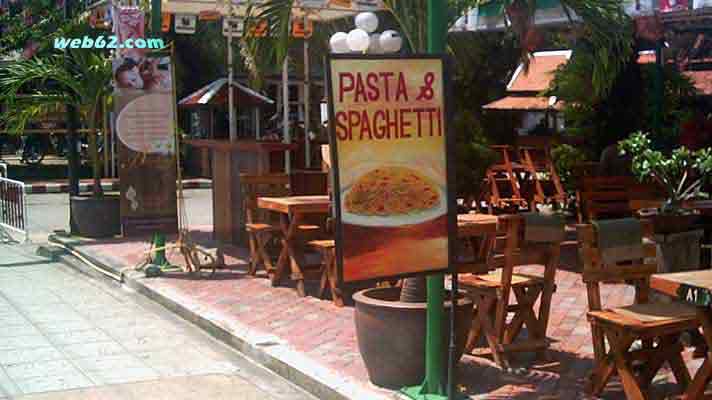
column 313, row 342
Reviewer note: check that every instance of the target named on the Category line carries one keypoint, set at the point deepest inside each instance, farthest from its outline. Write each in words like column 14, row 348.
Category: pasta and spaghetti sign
column 389, row 154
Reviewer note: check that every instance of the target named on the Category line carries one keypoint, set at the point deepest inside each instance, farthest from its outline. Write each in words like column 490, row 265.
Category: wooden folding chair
column 657, row 325
column 327, row 249
column 535, row 153
column 491, row 293
column 261, row 225
column 501, row 188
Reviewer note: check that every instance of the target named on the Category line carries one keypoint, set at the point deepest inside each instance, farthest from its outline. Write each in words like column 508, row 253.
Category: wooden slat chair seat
column 310, row 228
column 494, row 280
column 258, row 227
column 657, row 325
column 643, row 318
column 261, row 226
column 491, row 293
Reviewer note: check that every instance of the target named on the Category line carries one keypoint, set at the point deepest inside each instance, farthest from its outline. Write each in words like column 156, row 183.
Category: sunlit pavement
column 68, row 336
column 50, row 211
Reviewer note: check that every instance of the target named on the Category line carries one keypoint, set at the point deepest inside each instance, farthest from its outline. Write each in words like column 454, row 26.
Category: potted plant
column 29, row 88
column 681, row 173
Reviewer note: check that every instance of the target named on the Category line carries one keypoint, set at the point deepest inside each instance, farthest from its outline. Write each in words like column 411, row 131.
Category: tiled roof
column 540, row 73
column 702, row 81
column 523, row 103
column 216, row 93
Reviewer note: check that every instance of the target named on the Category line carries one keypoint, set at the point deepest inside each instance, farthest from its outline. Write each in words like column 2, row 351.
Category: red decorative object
column 674, row 5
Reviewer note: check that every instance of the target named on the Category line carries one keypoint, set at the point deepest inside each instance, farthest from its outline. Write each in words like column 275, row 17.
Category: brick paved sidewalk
column 313, row 342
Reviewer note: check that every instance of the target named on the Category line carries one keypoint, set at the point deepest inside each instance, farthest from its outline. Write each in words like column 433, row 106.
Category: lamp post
column 363, row 39
column 433, row 388
column 72, row 122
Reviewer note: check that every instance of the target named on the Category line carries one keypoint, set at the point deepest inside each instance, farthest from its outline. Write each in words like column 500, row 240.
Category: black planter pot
column 666, row 224
column 95, row 217
column 391, row 335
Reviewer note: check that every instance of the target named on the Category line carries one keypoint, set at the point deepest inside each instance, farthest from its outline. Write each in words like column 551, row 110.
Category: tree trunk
column 96, row 168
column 414, row 290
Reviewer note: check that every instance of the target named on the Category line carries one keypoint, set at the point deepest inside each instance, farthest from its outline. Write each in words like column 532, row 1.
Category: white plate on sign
column 412, row 218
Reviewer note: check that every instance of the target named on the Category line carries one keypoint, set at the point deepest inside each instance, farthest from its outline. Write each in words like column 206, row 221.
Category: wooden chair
column 535, row 155
column 604, row 196
column 327, row 249
column 657, row 325
column 612, row 196
column 261, row 226
column 501, row 187
column 491, row 293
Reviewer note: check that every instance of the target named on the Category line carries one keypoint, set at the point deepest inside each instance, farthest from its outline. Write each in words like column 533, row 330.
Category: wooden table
column 694, row 287
column 292, row 210
column 480, row 230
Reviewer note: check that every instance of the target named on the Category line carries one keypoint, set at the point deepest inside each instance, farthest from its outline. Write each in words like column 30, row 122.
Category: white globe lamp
column 358, row 40
column 374, row 44
column 391, row 41
column 367, row 21
column 338, row 44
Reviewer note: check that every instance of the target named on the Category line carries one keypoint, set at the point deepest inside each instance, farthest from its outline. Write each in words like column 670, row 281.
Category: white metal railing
column 13, row 205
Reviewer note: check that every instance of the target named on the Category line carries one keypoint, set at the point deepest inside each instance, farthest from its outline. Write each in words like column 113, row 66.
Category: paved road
column 66, row 336
column 50, row 211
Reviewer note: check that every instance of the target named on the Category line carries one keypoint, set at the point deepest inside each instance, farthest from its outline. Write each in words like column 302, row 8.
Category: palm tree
column 31, row 88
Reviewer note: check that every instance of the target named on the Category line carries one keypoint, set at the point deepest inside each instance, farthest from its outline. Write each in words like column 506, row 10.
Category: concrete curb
column 40, row 188
column 267, row 350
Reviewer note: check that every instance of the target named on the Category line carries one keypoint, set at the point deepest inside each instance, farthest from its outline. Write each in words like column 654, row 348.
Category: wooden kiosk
column 229, row 160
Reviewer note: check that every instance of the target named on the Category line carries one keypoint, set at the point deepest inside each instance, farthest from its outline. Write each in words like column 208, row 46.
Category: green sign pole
column 433, row 388
column 659, row 94
column 156, row 17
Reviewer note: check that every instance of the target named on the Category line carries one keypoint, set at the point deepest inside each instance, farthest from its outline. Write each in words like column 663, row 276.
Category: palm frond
column 278, row 15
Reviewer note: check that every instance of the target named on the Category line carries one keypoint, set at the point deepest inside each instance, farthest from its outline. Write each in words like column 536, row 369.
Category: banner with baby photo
column 145, row 128
column 394, row 209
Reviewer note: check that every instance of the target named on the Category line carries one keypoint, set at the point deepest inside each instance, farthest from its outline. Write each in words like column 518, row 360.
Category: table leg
column 277, row 273
column 290, row 228
column 696, row 390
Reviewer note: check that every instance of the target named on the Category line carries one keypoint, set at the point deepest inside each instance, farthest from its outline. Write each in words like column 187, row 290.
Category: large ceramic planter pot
column 391, row 335
column 666, row 224
column 95, row 217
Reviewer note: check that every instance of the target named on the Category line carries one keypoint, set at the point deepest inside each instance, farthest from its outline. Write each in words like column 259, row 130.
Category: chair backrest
column 254, row 186
column 308, row 182
column 605, row 196
column 511, row 249
column 636, row 271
